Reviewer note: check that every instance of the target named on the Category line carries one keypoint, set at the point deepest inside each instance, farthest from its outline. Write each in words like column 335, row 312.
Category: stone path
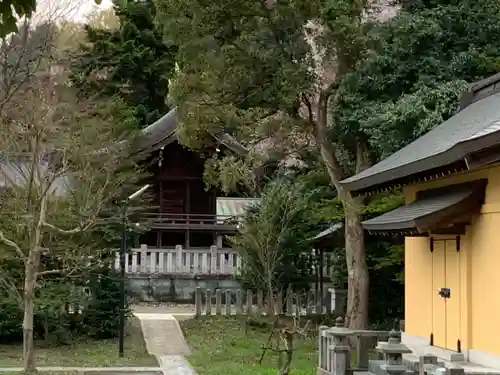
column 164, row 339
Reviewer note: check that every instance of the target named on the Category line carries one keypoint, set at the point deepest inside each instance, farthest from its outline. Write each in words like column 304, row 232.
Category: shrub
column 11, row 317
column 101, row 316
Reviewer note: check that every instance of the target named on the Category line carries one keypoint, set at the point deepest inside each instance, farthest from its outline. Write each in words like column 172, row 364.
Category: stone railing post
column 178, row 259
column 213, row 259
column 339, row 352
column 393, row 351
column 323, row 348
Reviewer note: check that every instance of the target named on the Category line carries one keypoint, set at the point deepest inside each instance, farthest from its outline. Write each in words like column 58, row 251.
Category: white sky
column 75, row 10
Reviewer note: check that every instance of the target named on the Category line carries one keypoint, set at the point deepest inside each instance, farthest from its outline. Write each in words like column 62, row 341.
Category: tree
column 275, row 239
column 415, row 68
column 131, row 61
column 16, row 12
column 56, row 182
column 270, row 70
column 11, row 11
column 59, row 169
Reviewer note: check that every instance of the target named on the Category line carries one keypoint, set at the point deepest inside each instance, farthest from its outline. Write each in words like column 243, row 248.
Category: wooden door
column 446, row 294
column 452, row 254
column 438, row 302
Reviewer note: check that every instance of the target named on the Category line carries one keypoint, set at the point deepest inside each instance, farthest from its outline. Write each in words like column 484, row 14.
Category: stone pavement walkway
column 164, row 339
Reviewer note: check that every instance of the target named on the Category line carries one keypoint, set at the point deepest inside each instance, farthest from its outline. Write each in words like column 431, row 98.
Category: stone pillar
column 178, row 259
column 213, row 259
column 340, row 352
column 392, row 352
column 323, row 347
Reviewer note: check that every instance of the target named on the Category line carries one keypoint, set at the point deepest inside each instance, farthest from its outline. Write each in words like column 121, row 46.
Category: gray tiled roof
column 162, row 132
column 405, row 217
column 476, row 120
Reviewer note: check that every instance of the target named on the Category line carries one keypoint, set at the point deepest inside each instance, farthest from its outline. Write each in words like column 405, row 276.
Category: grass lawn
column 220, row 347
column 91, row 353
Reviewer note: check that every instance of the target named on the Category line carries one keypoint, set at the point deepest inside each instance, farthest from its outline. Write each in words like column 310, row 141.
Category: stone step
column 412, row 362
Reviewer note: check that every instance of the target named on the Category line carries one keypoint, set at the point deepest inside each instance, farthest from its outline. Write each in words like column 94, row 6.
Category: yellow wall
column 479, row 263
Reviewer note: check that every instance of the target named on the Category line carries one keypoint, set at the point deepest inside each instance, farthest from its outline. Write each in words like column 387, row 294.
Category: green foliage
column 101, row 316
column 58, row 318
column 416, row 66
column 11, row 11
column 274, row 239
column 11, row 317
column 56, row 307
column 131, row 61
column 240, row 62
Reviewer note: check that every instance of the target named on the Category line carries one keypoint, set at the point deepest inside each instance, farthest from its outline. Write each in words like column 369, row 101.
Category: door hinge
column 458, row 243
column 431, row 341
column 459, row 346
column 431, row 244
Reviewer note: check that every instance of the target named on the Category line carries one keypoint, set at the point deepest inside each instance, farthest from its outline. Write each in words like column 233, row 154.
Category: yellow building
column 451, row 180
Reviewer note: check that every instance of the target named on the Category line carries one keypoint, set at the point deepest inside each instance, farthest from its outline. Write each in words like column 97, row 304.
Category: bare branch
column 12, row 244
column 79, row 229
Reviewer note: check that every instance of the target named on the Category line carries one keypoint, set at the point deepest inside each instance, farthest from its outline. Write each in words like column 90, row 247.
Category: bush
column 11, row 317
column 57, row 319
column 102, row 314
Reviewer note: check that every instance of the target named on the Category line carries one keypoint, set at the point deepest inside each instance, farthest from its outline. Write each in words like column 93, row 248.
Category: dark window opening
column 149, row 239
column 201, row 239
column 172, row 239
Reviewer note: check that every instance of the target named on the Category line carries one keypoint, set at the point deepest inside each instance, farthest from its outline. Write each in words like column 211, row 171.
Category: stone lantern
column 393, row 351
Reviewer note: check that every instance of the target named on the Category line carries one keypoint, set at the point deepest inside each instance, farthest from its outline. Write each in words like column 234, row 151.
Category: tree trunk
column 29, row 311
column 357, row 269
column 30, row 275
column 358, row 279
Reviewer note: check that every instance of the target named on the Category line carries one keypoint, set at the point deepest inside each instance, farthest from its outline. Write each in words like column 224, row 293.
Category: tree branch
column 11, row 244
column 79, row 229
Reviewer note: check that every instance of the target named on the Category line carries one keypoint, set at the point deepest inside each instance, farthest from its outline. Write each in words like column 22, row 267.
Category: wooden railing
column 186, row 220
column 208, row 261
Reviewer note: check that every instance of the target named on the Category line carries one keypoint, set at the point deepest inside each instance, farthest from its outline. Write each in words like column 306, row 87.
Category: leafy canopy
column 131, row 61
column 415, row 67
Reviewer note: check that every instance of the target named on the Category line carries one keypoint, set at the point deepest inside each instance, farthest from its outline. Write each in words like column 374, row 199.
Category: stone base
column 471, row 360
column 420, row 346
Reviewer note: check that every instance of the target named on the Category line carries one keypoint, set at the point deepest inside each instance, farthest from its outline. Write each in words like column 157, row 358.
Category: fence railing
column 189, row 220
column 212, row 261
column 241, row 302
column 193, row 261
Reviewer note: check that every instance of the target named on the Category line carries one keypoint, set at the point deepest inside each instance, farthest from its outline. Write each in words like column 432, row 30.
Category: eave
column 434, row 210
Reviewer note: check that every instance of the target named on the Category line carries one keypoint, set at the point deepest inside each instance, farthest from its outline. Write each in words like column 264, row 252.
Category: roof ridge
column 480, row 90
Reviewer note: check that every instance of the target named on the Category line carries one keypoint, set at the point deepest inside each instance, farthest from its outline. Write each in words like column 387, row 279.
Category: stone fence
column 239, row 302
column 335, row 349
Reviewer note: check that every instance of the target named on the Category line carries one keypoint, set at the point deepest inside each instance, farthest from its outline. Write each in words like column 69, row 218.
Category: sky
column 74, row 10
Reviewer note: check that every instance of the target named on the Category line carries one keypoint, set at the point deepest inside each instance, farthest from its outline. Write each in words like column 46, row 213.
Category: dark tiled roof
column 156, row 134
column 162, row 132
column 445, row 144
column 445, row 205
